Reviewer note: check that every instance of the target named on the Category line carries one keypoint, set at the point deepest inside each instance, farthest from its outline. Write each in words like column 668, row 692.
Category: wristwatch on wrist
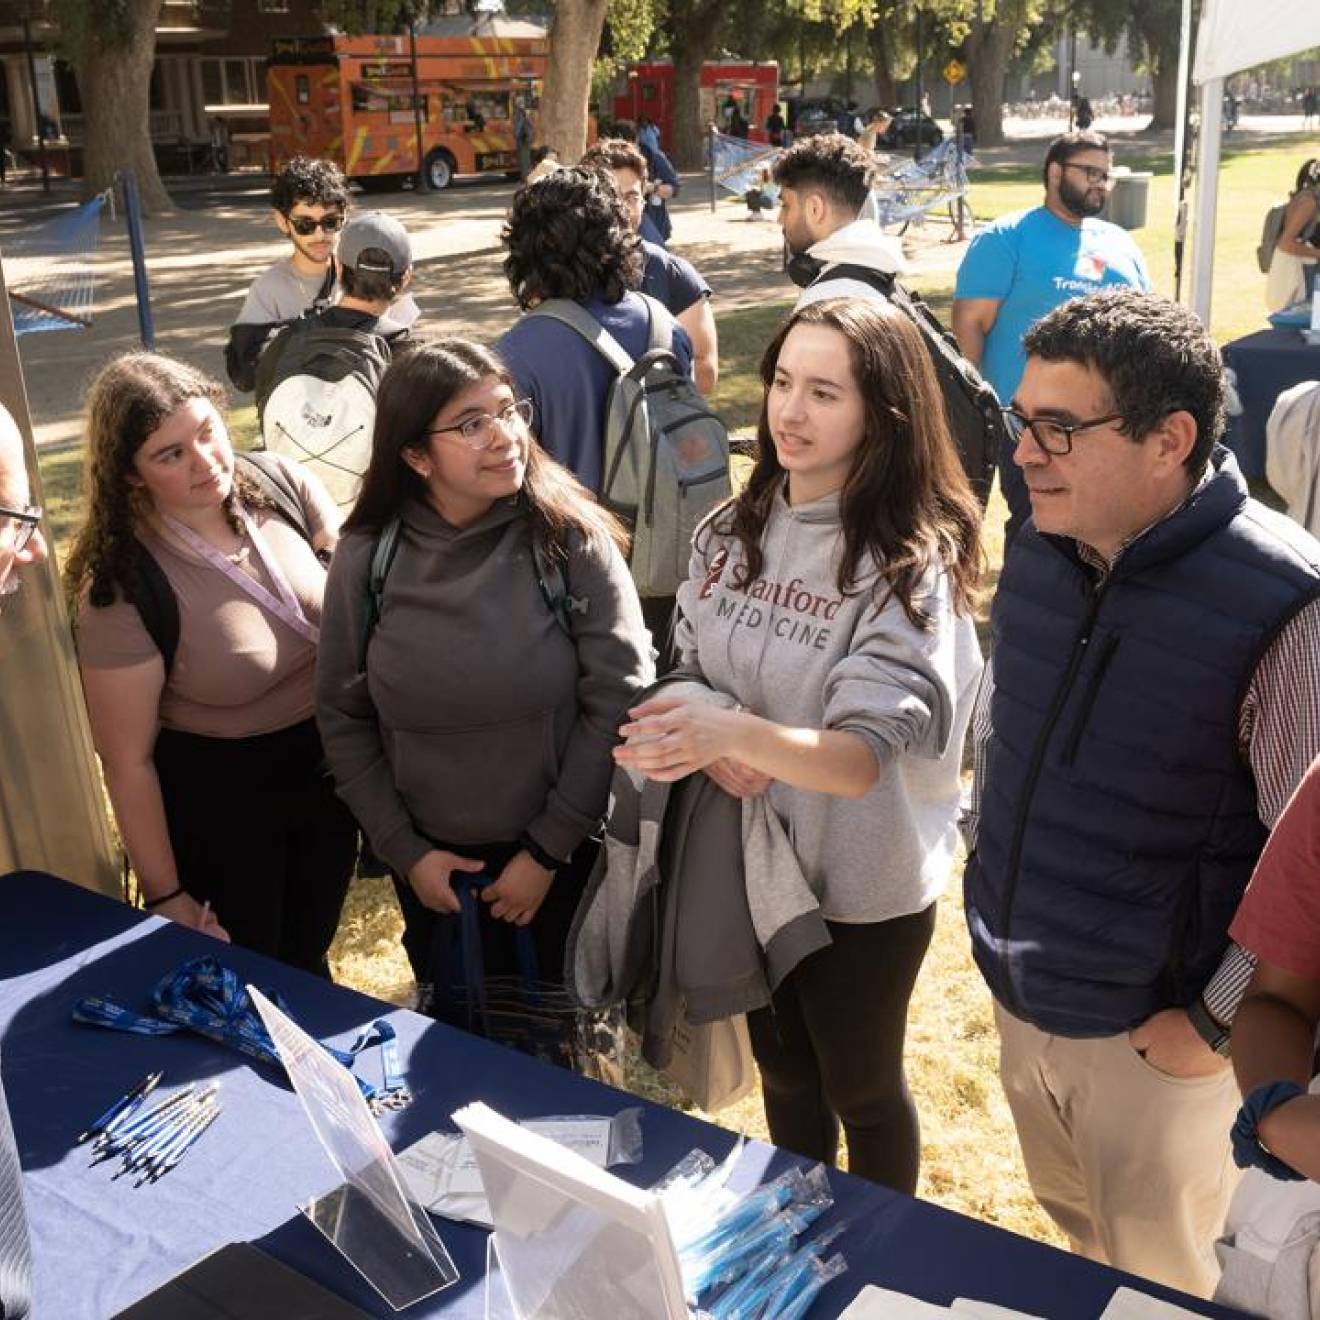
column 1217, row 1036
column 538, row 854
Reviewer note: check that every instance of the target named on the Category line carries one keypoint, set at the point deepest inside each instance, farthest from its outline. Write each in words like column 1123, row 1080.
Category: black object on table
column 1264, row 364
column 99, row 1246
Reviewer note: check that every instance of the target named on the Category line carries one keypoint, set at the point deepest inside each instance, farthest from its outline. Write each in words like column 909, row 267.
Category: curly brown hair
column 130, row 398
column 906, row 507
column 568, row 236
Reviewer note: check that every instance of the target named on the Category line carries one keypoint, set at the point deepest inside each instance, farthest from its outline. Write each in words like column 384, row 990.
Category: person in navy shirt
column 666, row 277
column 1025, row 264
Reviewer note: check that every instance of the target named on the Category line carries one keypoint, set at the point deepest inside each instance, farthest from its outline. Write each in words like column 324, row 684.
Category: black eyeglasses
column 305, row 225
column 479, row 432
column 18, row 526
column 1052, row 436
column 1093, row 175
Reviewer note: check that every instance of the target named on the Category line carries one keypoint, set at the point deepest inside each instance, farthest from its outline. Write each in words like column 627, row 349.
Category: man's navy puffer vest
column 1118, row 823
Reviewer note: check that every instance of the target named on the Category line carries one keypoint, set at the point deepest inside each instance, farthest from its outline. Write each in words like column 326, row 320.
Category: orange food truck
column 355, row 100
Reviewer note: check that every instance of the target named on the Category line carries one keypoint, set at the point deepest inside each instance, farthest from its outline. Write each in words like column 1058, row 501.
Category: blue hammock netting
column 49, row 271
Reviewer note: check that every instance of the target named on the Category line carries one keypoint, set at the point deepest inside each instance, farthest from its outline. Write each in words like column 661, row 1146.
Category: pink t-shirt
column 1279, row 917
column 239, row 671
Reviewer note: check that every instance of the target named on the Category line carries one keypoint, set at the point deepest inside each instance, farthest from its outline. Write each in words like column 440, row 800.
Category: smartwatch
column 1215, row 1035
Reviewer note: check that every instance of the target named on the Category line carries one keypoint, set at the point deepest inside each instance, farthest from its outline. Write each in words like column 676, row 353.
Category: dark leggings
column 256, row 829
column 830, row 1049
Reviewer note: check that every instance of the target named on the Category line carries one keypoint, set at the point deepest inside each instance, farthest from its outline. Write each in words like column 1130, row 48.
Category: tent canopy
column 1236, row 35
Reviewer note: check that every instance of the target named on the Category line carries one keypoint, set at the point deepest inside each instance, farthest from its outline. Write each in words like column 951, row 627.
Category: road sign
column 954, row 72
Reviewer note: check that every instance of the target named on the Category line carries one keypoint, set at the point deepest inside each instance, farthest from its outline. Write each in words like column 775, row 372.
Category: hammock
column 737, row 163
column 49, row 274
column 914, row 188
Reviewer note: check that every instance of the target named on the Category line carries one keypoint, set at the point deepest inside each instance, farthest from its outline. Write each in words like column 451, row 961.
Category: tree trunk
column 1164, row 85
column 574, row 41
column 886, row 92
column 989, row 44
column 114, row 80
column 694, row 32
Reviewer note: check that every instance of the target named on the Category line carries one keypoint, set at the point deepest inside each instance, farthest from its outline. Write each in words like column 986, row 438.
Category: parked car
column 814, row 114
column 910, row 125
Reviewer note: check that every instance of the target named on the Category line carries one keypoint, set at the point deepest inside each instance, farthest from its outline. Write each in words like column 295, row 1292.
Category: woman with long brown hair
column 470, row 681
column 197, row 597
column 832, row 598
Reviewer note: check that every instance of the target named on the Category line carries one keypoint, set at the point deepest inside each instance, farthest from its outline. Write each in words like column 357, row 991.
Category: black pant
column 830, row 1048
column 256, row 828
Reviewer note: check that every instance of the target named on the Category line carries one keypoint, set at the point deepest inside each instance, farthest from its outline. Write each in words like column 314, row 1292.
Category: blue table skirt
column 1264, row 365
column 100, row 1245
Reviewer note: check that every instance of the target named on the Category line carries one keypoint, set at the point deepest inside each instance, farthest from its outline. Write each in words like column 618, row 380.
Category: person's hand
column 668, row 739
column 429, row 878
column 520, row 890
column 1171, row 1045
column 1292, row 1132
column 737, row 779
column 187, row 911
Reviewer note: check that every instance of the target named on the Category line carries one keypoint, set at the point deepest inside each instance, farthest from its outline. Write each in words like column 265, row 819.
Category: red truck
column 649, row 92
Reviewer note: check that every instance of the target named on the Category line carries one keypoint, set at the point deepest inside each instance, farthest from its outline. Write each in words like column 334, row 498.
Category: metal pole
column 36, row 104
column 1072, row 79
column 133, row 219
column 1207, row 197
column 921, row 55
column 417, row 101
column 1180, row 147
column 711, row 153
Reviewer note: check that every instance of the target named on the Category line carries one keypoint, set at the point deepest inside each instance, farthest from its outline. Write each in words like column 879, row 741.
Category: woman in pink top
column 206, row 731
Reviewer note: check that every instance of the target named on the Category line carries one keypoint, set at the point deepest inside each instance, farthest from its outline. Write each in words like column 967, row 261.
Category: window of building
column 66, row 88
column 233, row 81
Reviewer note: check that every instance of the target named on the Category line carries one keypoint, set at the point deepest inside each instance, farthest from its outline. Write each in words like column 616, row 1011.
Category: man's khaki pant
column 1133, row 1165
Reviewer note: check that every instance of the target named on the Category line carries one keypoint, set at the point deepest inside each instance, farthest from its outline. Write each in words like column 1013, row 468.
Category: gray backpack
column 1269, row 235
column 666, row 454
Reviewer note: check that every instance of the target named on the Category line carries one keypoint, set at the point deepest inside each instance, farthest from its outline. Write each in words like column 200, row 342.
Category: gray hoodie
column 862, row 243
column 477, row 718
column 792, row 649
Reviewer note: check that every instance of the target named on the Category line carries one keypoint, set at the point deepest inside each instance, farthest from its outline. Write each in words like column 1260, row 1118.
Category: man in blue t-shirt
column 666, row 277
column 1024, row 265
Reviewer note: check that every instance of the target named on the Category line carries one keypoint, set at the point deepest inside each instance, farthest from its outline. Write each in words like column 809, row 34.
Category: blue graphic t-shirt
column 1031, row 262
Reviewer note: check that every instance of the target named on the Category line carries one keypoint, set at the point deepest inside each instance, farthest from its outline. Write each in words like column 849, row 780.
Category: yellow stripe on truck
column 359, row 141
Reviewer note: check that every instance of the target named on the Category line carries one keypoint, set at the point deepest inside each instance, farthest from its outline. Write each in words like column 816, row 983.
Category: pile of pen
column 150, row 1143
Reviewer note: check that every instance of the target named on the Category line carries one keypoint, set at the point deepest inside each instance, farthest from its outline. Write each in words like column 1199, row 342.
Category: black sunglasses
column 305, row 225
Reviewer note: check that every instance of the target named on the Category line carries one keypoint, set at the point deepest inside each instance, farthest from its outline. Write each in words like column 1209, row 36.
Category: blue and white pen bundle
column 151, row 1143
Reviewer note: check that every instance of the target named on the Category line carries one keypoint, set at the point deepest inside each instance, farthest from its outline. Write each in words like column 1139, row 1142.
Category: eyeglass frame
column 299, row 223
column 1069, row 429
column 523, row 409
column 28, row 519
column 1093, row 173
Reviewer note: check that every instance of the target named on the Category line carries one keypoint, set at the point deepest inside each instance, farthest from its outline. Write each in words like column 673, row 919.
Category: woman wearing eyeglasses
column 197, row 595
column 470, row 725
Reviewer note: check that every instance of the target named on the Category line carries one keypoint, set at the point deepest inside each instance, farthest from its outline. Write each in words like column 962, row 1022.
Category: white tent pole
column 1207, row 196
column 1180, row 128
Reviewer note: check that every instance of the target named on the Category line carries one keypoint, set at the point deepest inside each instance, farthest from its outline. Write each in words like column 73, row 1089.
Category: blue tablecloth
column 1264, row 365
column 100, row 1245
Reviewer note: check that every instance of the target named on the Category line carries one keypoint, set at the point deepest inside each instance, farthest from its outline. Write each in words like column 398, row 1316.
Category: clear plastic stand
column 369, row 1219
column 499, row 1305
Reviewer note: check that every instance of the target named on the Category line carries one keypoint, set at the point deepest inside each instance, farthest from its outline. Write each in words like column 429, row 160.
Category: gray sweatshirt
column 792, row 649
column 477, row 718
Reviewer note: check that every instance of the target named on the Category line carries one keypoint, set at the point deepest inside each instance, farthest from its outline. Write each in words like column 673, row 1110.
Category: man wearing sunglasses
column 309, row 199
column 1152, row 703
column 1025, row 264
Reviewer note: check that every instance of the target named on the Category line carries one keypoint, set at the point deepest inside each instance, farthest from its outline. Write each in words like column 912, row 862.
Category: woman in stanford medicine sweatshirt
column 833, row 599
column 474, row 734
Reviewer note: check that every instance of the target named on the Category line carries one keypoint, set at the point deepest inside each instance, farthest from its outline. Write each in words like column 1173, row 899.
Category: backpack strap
column 882, row 281
column 326, row 293
column 382, row 557
column 578, row 319
column 152, row 596
column 660, row 326
column 553, row 582
column 272, row 479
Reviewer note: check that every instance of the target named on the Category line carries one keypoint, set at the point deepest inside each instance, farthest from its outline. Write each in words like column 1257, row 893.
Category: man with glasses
column 1025, row 264
column 309, row 199
column 1152, row 702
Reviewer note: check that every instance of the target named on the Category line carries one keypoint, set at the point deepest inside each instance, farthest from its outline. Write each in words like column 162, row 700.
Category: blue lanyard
column 205, row 997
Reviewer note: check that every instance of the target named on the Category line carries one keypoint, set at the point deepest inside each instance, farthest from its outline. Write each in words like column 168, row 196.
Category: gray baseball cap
column 374, row 241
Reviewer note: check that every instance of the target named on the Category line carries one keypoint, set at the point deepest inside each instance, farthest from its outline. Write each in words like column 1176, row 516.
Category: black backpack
column 150, row 591
column 972, row 405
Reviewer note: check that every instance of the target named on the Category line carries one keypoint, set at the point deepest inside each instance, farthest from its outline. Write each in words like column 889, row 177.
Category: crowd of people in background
column 414, row 648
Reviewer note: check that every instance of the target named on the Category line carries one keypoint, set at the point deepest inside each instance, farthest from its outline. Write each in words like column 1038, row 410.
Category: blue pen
column 175, row 1156
column 122, row 1107
column 144, row 1125
column 137, row 1153
column 177, row 1141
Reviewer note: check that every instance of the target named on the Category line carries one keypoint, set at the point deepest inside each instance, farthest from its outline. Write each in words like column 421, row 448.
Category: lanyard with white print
column 284, row 606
